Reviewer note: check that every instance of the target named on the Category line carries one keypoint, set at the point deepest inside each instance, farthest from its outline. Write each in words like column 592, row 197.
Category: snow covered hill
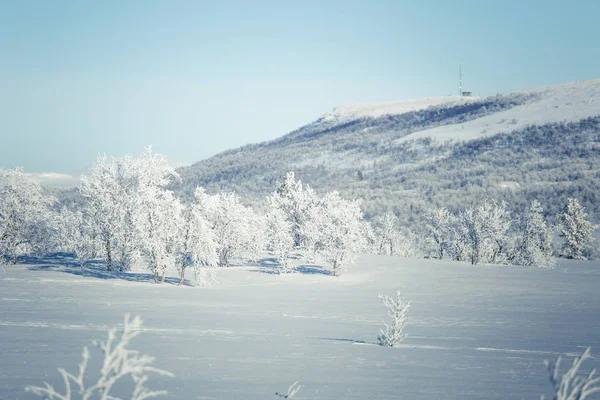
column 569, row 102
column 542, row 143
column 473, row 332
column 356, row 111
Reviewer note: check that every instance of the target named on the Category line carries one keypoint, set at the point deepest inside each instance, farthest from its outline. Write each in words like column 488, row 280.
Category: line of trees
column 487, row 233
column 129, row 211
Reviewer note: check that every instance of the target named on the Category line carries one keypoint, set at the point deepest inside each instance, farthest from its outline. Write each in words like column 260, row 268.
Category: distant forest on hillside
column 365, row 159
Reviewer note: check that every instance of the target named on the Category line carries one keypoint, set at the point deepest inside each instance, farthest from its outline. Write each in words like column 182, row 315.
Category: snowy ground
column 474, row 332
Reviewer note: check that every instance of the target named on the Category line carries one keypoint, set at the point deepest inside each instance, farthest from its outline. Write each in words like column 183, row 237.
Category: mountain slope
column 406, row 156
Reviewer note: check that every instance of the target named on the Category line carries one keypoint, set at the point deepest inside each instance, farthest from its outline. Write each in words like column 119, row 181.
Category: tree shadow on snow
column 270, row 266
column 61, row 262
column 353, row 341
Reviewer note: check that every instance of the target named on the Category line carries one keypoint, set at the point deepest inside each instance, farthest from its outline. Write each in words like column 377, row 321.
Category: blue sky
column 193, row 78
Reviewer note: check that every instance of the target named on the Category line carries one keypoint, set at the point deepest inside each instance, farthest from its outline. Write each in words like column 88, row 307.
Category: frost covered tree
column 119, row 192
column 280, row 241
column 341, row 230
column 439, row 223
column 160, row 228
column 576, row 230
column 408, row 244
column 119, row 363
column 295, row 202
column 397, row 311
column 572, row 385
column 534, row 246
column 386, row 229
column 486, row 227
column 25, row 217
column 198, row 246
column 459, row 242
column 76, row 234
column 231, row 222
column 105, row 199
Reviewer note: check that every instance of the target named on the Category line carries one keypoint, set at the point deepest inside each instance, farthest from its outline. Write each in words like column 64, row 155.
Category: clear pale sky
column 193, row 78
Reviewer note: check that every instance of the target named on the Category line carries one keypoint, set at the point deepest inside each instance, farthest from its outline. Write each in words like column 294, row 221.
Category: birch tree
column 534, row 246
column 342, row 230
column 439, row 224
column 198, row 246
column 387, row 233
column 231, row 222
column 486, row 227
column 576, row 230
column 25, row 215
column 280, row 239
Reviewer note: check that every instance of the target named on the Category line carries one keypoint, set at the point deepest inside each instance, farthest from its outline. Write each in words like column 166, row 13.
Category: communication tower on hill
column 460, row 76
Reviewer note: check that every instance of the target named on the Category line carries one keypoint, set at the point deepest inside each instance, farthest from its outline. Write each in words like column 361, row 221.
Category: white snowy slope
column 474, row 332
column 353, row 111
column 569, row 102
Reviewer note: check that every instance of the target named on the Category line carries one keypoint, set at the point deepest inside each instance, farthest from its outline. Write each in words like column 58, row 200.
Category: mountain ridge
column 364, row 152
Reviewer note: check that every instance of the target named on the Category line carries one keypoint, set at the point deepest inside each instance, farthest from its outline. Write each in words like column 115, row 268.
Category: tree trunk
column 475, row 256
column 156, row 276
column 336, row 269
column 14, row 258
column 109, row 265
column 182, row 277
column 163, row 277
column 223, row 258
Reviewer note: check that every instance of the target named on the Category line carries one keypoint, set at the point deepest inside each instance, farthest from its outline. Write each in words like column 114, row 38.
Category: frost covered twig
column 119, row 362
column 572, row 385
column 397, row 310
column 292, row 390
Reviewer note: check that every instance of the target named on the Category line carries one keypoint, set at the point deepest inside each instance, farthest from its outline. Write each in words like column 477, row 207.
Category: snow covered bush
column 572, row 385
column 534, row 246
column 486, row 227
column 291, row 392
column 576, row 231
column 26, row 223
column 119, row 363
column 397, row 311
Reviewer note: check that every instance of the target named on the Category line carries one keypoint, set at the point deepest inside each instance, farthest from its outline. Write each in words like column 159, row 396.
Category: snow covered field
column 475, row 332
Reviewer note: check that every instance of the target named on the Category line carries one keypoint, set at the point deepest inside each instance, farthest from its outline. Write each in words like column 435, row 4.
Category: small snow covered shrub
column 119, row 362
column 572, row 385
column 397, row 310
column 291, row 392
